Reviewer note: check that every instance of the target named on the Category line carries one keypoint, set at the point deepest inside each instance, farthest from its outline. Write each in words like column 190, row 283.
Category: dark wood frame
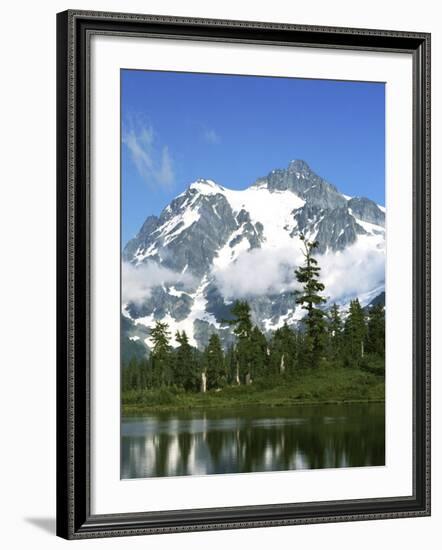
column 74, row 519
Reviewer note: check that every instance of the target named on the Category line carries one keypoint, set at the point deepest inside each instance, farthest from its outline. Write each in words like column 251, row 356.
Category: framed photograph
column 243, row 274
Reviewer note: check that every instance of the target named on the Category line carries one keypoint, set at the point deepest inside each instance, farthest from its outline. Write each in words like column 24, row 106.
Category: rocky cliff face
column 212, row 245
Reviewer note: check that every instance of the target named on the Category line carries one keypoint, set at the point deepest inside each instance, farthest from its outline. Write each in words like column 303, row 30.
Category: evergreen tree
column 185, row 366
column 136, row 374
column 214, row 363
column 147, row 372
column 355, row 332
column 283, row 351
column 310, row 300
column 259, row 356
column 335, row 332
column 130, row 379
column 142, row 374
column 231, row 365
column 242, row 329
column 161, row 354
column 375, row 341
column 242, row 323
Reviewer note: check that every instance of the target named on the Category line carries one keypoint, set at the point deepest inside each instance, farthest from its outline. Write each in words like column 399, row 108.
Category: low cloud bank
column 138, row 281
column 258, row 273
column 346, row 275
column 352, row 273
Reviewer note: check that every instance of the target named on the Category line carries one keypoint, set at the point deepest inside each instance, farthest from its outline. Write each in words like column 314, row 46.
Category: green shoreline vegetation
column 327, row 385
column 329, row 358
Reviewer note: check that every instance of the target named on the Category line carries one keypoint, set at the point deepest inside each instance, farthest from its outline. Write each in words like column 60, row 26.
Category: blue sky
column 178, row 127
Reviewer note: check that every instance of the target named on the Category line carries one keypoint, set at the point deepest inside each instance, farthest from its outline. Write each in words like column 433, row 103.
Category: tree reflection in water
column 253, row 440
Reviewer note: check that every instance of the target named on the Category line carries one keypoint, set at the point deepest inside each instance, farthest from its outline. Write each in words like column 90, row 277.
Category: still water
column 253, row 439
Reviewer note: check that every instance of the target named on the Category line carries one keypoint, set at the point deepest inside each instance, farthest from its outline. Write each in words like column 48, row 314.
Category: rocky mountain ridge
column 212, row 245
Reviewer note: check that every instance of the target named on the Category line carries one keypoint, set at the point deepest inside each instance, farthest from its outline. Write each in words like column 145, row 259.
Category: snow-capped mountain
column 212, row 245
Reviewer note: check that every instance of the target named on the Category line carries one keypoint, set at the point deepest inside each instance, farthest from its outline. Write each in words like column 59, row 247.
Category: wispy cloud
column 165, row 173
column 153, row 162
column 138, row 282
column 211, row 136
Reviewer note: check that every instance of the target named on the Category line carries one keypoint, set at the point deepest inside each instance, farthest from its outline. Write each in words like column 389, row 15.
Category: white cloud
column 352, row 273
column 153, row 163
column 138, row 282
column 258, row 272
column 211, row 136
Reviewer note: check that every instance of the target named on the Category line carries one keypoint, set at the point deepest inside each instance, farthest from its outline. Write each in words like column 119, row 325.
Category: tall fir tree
column 355, row 332
column 242, row 328
column 231, row 365
column 186, row 372
column 335, row 332
column 161, row 354
column 375, row 341
column 259, row 353
column 283, row 351
column 214, row 364
column 310, row 299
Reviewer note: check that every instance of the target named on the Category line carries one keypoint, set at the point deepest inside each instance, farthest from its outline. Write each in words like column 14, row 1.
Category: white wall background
column 27, row 218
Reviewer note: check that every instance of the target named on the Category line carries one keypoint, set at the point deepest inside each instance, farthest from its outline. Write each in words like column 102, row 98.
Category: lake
column 253, row 439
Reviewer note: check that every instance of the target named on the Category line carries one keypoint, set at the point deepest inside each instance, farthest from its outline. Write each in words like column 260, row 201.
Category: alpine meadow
column 252, row 288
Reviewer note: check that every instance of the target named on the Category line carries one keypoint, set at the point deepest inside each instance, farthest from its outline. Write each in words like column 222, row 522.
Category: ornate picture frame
column 76, row 518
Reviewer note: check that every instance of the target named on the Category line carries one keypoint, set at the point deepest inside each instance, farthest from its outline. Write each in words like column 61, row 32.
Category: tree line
column 324, row 337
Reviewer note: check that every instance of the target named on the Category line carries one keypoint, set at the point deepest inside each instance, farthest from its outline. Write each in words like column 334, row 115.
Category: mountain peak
column 299, row 165
column 205, row 187
column 221, row 238
column 300, row 179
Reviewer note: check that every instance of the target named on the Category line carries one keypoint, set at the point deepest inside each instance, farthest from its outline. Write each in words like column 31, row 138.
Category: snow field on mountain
column 260, row 249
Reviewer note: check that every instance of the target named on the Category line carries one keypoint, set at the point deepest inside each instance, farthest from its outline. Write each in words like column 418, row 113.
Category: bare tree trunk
column 282, row 365
column 203, row 382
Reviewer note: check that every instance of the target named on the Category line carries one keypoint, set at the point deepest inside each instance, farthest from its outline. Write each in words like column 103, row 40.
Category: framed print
column 243, row 274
